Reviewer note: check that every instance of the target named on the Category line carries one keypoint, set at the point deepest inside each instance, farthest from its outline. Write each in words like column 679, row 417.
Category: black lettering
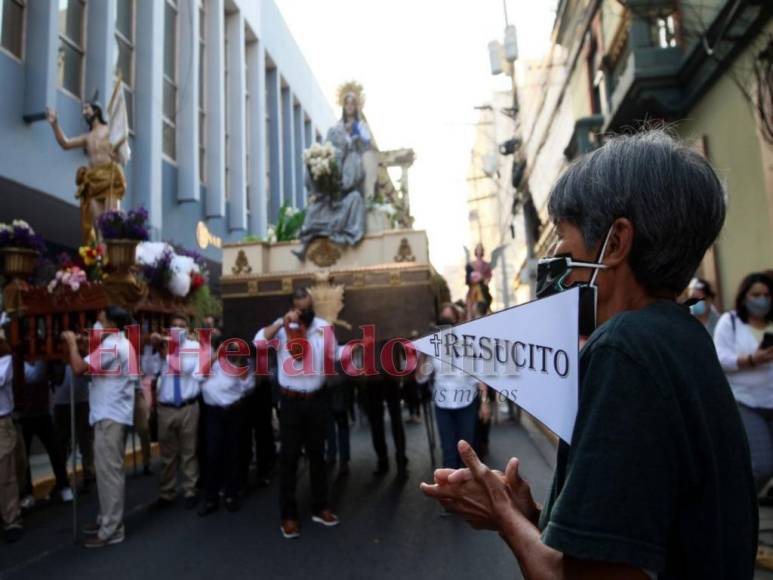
column 531, row 356
column 545, row 351
column 519, row 362
column 485, row 347
column 560, row 354
column 496, row 350
column 451, row 344
column 467, row 343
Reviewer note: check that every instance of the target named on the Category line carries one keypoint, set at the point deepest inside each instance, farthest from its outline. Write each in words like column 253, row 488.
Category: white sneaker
column 27, row 502
column 66, row 494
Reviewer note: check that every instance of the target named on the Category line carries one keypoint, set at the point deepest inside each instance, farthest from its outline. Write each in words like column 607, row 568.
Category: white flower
column 75, row 286
column 271, row 235
column 51, row 285
column 5, row 228
column 21, row 224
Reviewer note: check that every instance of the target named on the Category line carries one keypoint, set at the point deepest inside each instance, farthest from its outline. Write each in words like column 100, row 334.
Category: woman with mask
column 704, row 310
column 459, row 398
column 746, row 360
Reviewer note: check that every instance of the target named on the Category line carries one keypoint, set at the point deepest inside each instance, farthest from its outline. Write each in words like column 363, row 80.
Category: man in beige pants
column 10, row 512
column 178, row 414
column 111, row 403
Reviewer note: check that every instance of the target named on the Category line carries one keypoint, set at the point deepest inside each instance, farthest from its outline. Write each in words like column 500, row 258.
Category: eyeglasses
column 553, row 271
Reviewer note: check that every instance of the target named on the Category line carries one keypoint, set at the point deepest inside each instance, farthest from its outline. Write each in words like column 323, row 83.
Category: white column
column 276, row 170
column 188, row 186
column 256, row 84
column 100, row 50
column 215, row 158
column 308, row 140
column 298, row 157
column 237, row 141
column 40, row 55
column 147, row 101
column 288, row 150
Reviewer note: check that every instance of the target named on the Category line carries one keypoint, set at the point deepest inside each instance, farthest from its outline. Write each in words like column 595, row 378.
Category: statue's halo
column 351, row 87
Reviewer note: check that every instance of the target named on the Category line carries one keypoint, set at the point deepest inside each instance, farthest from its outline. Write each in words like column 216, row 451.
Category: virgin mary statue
column 341, row 218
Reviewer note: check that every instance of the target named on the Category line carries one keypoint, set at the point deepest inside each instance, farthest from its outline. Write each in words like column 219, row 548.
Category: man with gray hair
column 657, row 481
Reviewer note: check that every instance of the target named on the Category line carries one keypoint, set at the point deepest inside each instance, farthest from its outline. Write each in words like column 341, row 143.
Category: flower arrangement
column 121, row 225
column 19, row 234
column 94, row 259
column 323, row 168
column 71, row 277
column 178, row 271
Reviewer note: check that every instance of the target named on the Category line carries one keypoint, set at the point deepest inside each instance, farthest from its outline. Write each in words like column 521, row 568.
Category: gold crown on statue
column 351, row 88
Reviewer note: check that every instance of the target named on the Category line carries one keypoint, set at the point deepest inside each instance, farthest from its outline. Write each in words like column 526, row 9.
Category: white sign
column 529, row 353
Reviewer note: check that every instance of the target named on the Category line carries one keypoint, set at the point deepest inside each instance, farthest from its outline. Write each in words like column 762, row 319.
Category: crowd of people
column 220, row 431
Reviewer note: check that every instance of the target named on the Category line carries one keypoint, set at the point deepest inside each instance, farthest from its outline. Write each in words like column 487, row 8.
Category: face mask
column 758, row 306
column 699, row 308
column 98, row 325
column 445, row 322
column 553, row 272
column 307, row 316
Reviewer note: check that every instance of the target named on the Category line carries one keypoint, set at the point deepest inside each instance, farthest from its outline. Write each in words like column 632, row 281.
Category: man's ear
column 620, row 242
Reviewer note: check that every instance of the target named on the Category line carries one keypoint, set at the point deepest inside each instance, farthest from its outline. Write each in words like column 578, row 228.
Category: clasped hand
column 487, row 499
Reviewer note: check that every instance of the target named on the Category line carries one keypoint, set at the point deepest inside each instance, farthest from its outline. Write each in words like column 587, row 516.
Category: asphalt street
column 388, row 529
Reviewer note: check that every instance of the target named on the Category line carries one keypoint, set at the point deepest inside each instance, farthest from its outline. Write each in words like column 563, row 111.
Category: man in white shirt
column 10, row 512
column 177, row 392
column 111, row 409
column 223, row 392
column 304, row 408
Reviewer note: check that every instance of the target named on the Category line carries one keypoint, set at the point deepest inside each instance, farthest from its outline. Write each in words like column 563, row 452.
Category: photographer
column 304, row 408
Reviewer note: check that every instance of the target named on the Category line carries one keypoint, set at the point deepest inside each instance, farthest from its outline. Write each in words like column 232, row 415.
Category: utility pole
column 522, row 194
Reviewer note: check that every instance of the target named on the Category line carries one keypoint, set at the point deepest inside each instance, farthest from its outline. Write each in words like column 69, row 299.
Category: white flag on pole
column 118, row 122
column 529, row 353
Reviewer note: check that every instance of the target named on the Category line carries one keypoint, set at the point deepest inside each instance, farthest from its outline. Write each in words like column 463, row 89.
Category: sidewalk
column 43, row 475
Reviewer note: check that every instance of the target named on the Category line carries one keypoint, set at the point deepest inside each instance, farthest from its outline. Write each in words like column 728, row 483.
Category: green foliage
column 289, row 224
column 202, row 303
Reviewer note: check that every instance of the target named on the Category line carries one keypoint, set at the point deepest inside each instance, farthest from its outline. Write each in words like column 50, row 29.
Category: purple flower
column 117, row 224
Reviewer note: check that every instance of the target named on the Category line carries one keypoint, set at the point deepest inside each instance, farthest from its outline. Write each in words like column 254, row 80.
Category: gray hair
column 669, row 192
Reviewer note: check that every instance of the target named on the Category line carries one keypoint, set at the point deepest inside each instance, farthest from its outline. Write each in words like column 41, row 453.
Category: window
column 72, row 15
column 124, row 58
column 12, row 25
column 665, row 31
column 202, row 92
column 169, row 110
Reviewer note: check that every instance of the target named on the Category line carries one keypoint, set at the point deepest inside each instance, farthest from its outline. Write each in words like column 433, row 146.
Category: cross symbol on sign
column 436, row 342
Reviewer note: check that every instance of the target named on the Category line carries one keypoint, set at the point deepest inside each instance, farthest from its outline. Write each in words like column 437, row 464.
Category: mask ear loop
column 599, row 265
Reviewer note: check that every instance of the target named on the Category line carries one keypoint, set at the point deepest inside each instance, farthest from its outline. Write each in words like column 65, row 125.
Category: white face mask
column 98, row 325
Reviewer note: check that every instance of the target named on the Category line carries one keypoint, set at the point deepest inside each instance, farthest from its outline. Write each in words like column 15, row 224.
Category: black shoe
column 209, row 507
column 13, row 534
column 191, row 502
column 161, row 504
column 232, row 504
column 382, row 469
column 402, row 473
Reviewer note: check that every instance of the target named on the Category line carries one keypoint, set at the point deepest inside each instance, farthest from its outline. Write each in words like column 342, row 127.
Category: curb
column 42, row 486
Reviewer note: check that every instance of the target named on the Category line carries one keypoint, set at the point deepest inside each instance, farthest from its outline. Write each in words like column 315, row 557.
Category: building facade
column 221, row 105
column 615, row 65
column 490, row 197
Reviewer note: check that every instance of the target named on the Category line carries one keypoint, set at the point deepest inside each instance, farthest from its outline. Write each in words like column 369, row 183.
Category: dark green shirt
column 658, row 475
